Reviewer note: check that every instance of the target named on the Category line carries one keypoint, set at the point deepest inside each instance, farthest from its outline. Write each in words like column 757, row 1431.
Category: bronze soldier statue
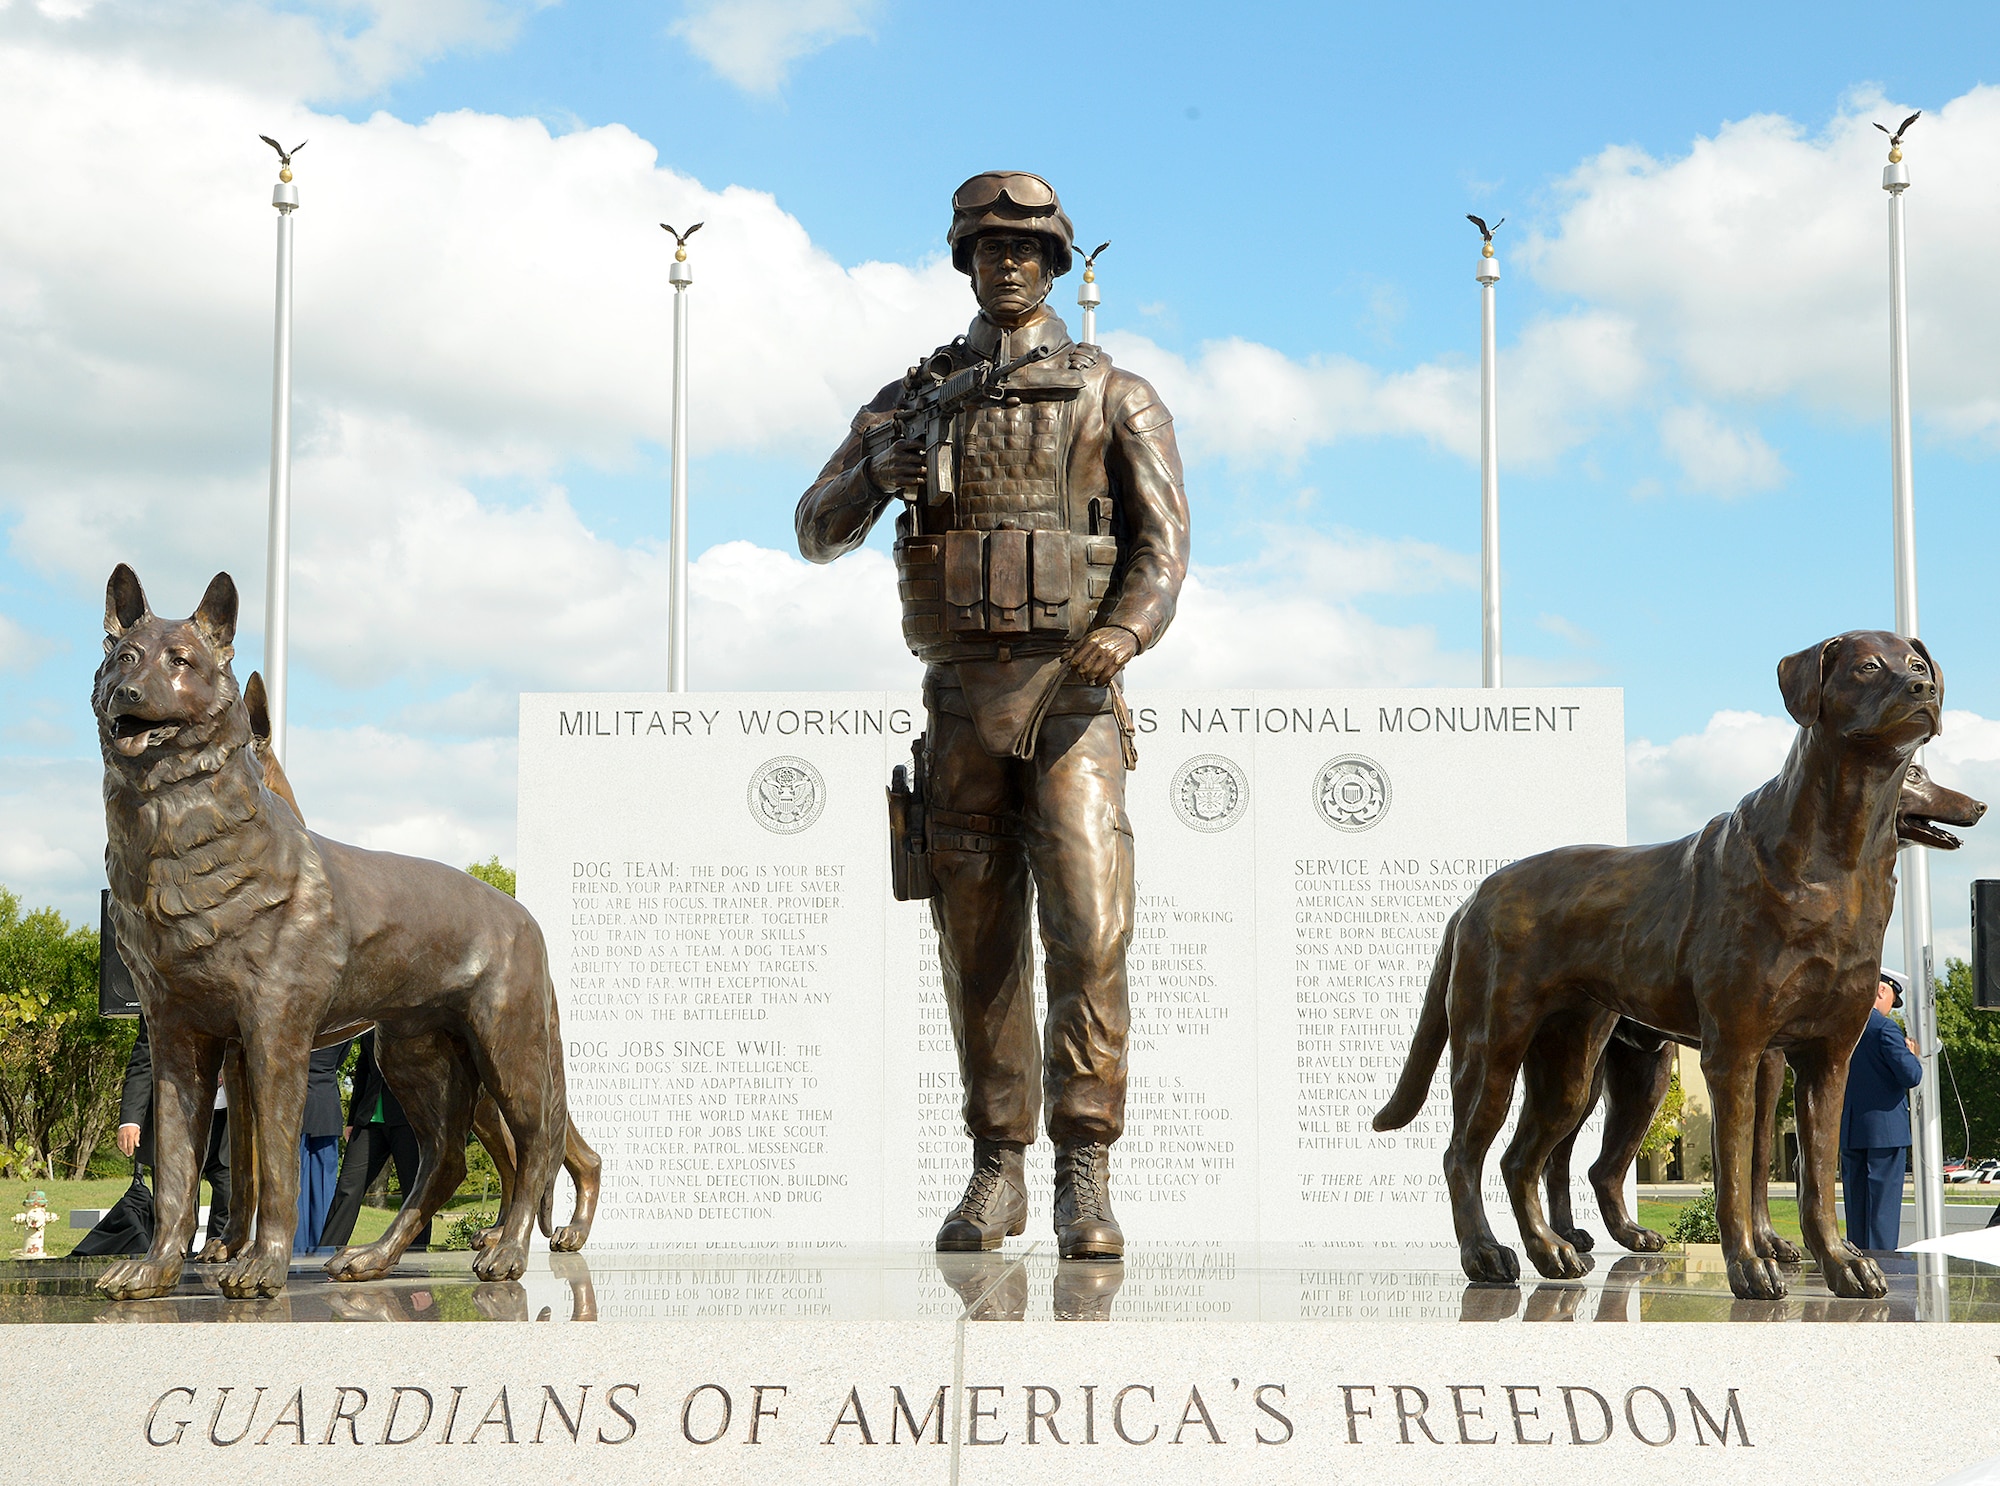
column 1041, row 547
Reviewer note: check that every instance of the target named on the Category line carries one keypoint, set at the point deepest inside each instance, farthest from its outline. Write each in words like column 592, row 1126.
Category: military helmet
column 1008, row 201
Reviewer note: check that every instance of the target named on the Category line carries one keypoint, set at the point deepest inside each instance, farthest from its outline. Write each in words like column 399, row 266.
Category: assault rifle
column 929, row 413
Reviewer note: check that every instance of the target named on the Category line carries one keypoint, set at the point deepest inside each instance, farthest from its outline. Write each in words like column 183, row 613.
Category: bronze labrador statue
column 581, row 1161
column 1638, row 1063
column 240, row 924
column 1761, row 931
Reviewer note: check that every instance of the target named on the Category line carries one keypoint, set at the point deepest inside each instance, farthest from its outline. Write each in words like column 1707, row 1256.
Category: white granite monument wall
column 757, row 1042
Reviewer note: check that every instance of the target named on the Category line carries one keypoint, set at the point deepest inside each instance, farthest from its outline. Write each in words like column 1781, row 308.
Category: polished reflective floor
column 1181, row 1282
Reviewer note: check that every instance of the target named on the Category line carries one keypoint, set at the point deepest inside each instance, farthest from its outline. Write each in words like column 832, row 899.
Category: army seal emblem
column 1351, row 792
column 786, row 795
column 1210, row 792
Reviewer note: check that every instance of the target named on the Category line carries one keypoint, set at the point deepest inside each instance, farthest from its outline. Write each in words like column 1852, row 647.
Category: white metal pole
column 278, row 554
column 1088, row 297
column 680, row 274
column 1489, row 476
column 1927, row 1124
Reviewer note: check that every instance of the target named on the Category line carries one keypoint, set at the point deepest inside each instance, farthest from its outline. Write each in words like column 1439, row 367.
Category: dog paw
column 1771, row 1246
column 369, row 1262
column 568, row 1240
column 217, row 1251
column 1855, row 1276
column 486, row 1237
column 139, row 1279
column 259, row 1272
column 1489, row 1262
column 1756, row 1278
column 1641, row 1240
column 501, row 1261
column 1580, row 1239
column 1558, row 1261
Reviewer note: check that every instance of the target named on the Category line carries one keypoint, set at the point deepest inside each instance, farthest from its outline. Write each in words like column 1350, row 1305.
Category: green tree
column 1666, row 1126
column 60, row 1062
column 491, row 871
column 1971, row 1072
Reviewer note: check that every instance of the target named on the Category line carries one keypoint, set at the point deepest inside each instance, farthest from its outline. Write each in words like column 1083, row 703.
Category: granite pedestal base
column 874, row 1364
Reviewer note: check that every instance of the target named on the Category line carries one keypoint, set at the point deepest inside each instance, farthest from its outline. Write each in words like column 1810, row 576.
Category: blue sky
column 1695, row 475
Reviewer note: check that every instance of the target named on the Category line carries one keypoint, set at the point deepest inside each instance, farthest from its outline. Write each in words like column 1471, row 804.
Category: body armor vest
column 1008, row 559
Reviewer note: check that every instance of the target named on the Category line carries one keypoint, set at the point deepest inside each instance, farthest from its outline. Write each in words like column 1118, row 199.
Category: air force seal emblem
column 1210, row 792
column 786, row 795
column 1351, row 792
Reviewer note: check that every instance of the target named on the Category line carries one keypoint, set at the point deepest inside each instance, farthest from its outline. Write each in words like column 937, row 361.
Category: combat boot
column 995, row 1204
column 1085, row 1227
column 1085, row 1289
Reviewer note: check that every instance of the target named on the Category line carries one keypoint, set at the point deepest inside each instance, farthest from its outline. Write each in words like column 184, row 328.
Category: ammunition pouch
column 999, row 587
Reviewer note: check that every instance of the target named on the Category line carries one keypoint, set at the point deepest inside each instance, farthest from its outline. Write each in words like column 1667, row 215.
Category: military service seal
column 1210, row 792
column 786, row 795
column 1351, row 792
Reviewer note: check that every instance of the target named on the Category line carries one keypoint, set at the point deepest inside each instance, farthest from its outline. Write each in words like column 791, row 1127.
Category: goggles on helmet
column 1029, row 192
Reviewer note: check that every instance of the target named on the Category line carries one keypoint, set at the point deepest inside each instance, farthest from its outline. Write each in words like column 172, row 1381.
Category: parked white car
column 1983, row 1172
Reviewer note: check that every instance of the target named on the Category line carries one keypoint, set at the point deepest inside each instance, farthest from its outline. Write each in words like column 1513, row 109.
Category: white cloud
column 1757, row 263
column 1250, row 403
column 753, row 43
column 1288, row 617
column 1716, row 457
column 499, row 291
column 1672, row 788
column 320, row 49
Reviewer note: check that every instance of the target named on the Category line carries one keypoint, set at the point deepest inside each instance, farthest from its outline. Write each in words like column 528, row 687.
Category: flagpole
column 1489, row 475
column 1088, row 296
column 680, row 274
column 1927, row 1115
column 278, row 554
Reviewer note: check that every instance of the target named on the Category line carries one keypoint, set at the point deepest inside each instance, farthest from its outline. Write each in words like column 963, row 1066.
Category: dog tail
column 1433, row 1028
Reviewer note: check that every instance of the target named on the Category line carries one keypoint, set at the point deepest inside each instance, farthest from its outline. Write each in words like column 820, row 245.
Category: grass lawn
column 1660, row 1215
column 65, row 1196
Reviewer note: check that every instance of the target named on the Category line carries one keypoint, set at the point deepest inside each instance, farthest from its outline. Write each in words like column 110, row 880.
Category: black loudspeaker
column 1986, row 943
column 115, row 983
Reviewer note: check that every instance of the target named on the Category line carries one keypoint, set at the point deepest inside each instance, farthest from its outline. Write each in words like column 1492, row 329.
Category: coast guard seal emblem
column 786, row 795
column 1210, row 792
column 1351, row 792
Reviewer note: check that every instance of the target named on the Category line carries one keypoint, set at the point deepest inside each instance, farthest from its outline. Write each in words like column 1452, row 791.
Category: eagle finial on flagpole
column 681, row 239
column 1485, row 233
column 284, row 155
column 1896, row 136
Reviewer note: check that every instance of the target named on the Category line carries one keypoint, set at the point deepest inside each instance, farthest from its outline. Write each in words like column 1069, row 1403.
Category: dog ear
column 259, row 705
column 216, row 613
column 1937, row 676
column 124, row 601
column 1799, row 678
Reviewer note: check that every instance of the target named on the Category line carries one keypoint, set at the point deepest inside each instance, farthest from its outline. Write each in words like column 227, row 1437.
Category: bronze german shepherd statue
column 239, row 924
column 1761, row 931
column 582, row 1163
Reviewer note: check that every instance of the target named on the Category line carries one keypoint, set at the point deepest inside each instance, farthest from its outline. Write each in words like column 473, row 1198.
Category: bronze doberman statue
column 1761, row 931
column 239, row 924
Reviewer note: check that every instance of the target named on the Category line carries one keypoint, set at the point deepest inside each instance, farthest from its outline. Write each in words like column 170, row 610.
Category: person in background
column 1875, row 1123
column 377, row 1131
column 319, row 1144
column 135, row 1128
